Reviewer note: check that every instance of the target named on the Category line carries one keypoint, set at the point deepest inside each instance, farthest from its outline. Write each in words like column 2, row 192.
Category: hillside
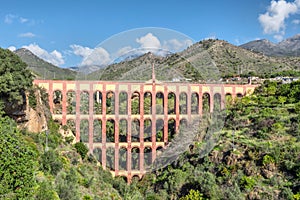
column 43, row 69
column 208, row 59
column 287, row 47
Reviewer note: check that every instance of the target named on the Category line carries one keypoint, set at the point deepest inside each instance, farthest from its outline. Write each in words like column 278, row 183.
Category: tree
column 18, row 163
column 15, row 79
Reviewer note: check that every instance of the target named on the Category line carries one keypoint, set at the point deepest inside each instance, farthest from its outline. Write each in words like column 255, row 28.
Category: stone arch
column 71, row 102
column 110, row 130
column 57, row 102
column 97, row 152
column 183, row 103
column 97, row 131
column 135, row 178
column 239, row 95
column 171, row 103
column 135, row 130
column 135, row 158
column 147, row 103
column 84, row 102
column 123, row 103
column 159, row 130
column 98, row 102
column 159, row 150
column 147, row 156
column 110, row 103
column 135, row 103
column 206, row 103
column 84, row 130
column 123, row 129
column 122, row 158
column 159, row 103
column 171, row 129
column 110, row 158
column 217, row 102
column 183, row 123
column 194, row 103
column 147, row 130
column 228, row 99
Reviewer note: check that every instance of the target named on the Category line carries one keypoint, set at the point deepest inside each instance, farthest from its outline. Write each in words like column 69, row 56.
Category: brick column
column 50, row 93
column 129, row 121
column 211, row 102
column 104, row 126
column 91, row 118
column 64, row 103
column 165, row 137
column 153, row 121
column 177, row 120
column 189, row 103
column 200, row 101
column 77, row 108
column 223, row 99
column 141, row 156
column 117, row 105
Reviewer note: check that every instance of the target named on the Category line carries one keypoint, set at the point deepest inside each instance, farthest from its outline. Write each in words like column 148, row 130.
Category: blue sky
column 66, row 32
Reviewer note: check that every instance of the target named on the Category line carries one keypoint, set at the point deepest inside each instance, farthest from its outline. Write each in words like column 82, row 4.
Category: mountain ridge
column 287, row 47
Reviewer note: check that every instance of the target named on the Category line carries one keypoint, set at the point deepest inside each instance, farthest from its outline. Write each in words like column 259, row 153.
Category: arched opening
column 110, row 103
column 158, row 151
column 159, row 103
column 228, row 99
column 123, row 103
column 147, row 156
column 183, row 124
column 135, row 179
column 159, row 130
column 97, row 152
column 110, row 158
column 84, row 103
column 183, row 103
column 206, row 103
column 147, row 130
column 110, row 130
column 195, row 104
column 97, row 134
column 122, row 158
column 217, row 102
column 57, row 99
column 171, row 129
column 135, row 158
column 135, row 130
column 171, row 103
column 71, row 125
column 239, row 95
column 135, row 103
column 71, row 103
column 147, row 103
column 84, row 130
column 123, row 127
column 97, row 103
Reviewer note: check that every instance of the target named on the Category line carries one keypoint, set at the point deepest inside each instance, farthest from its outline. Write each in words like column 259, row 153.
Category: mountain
column 43, row 69
column 204, row 60
column 288, row 47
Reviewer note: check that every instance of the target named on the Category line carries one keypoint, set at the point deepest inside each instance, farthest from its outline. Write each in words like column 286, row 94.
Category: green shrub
column 81, row 149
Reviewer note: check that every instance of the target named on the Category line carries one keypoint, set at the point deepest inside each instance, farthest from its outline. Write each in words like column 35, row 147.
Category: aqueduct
column 124, row 124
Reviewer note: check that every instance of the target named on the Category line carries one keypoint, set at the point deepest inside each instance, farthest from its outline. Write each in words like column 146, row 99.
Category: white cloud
column 149, row 41
column 27, row 35
column 81, row 51
column 23, row 20
column 273, row 21
column 54, row 57
column 175, row 45
column 12, row 48
column 278, row 37
column 98, row 56
column 9, row 19
column 124, row 50
column 296, row 21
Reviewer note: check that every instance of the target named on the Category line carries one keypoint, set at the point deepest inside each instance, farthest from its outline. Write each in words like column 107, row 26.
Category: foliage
column 193, row 195
column 51, row 162
column 18, row 163
column 81, row 149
